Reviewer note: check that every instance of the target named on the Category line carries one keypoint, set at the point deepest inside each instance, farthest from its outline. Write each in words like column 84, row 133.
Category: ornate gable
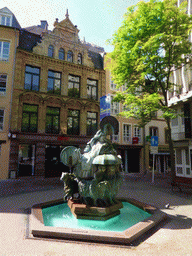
column 66, row 29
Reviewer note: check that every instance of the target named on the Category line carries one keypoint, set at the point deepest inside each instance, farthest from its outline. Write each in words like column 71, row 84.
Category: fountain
column 95, row 179
column 90, row 210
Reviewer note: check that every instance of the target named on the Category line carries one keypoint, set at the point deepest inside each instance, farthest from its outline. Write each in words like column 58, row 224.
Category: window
column 3, row 82
column 50, row 51
column 74, row 86
column 154, row 114
column 4, row 50
column 182, row 162
column 26, row 160
column 153, row 131
column 79, row 58
column 61, row 54
column 91, row 123
column 70, row 56
column 73, row 122
column 52, row 120
column 124, row 87
column 92, row 89
column 114, row 107
column 54, row 82
column 137, row 133
column 5, row 20
column 126, row 132
column 174, row 121
column 113, row 85
column 1, row 119
column 30, row 118
column 32, row 78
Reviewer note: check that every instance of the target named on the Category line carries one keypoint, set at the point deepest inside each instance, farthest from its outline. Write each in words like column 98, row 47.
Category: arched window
column 79, row 58
column 70, row 56
column 61, row 54
column 50, row 51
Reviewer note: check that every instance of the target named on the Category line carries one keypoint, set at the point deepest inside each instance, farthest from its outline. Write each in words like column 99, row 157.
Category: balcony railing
column 178, row 136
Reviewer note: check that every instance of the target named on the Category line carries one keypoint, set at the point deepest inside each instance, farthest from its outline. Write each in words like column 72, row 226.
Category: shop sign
column 62, row 138
column 135, row 140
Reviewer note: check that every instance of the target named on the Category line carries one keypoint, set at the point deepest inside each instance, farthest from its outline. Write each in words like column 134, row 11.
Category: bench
column 181, row 183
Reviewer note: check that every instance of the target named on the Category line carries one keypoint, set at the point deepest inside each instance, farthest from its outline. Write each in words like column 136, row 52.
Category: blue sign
column 154, row 141
column 105, row 105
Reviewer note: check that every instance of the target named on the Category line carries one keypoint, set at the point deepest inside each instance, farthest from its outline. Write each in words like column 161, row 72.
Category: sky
column 97, row 20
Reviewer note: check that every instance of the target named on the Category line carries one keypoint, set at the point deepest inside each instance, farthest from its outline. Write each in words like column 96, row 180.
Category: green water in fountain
column 60, row 216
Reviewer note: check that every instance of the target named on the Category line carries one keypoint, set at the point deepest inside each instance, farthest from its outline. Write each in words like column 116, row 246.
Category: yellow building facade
column 57, row 86
column 9, row 37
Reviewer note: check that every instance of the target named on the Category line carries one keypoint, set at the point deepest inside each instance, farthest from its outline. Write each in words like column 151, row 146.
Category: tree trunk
column 171, row 150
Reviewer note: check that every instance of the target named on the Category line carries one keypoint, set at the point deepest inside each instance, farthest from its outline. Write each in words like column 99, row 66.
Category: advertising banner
column 105, row 105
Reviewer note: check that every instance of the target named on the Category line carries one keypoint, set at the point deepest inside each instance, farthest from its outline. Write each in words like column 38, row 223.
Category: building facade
column 57, row 86
column 9, row 38
column 133, row 141
column 181, row 100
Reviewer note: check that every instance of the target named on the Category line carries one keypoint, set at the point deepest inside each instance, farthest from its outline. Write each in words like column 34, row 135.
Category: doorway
column 53, row 166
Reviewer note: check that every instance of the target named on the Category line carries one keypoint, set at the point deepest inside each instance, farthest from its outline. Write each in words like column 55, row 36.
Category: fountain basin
column 82, row 211
column 39, row 229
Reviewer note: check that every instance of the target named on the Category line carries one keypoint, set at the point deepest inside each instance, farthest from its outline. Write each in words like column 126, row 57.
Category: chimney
column 44, row 24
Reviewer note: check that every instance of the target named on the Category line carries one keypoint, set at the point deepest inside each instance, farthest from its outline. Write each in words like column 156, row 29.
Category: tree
column 152, row 41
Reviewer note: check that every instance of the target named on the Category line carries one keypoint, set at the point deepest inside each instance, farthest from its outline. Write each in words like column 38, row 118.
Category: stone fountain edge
column 37, row 228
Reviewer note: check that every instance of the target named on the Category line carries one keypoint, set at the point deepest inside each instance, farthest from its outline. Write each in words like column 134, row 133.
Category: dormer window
column 5, row 20
column 61, row 54
column 70, row 56
column 79, row 58
column 50, row 51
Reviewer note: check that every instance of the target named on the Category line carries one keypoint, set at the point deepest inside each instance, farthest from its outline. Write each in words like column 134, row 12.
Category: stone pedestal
column 82, row 211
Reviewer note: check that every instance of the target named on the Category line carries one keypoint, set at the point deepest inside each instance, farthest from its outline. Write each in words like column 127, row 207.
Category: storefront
column 39, row 154
column 131, row 158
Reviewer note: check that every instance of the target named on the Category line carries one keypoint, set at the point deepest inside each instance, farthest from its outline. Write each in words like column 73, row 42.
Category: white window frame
column 6, row 17
column 127, row 138
column 3, row 56
column 153, row 130
column 113, row 86
column 115, row 138
column 3, row 89
column 137, row 132
column 178, row 128
column 2, row 123
column 115, row 107
column 183, row 165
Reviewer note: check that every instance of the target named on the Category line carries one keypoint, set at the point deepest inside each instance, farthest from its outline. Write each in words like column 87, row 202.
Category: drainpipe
column 13, row 77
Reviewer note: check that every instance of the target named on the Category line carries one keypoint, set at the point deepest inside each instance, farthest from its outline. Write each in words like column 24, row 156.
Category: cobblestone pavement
column 172, row 237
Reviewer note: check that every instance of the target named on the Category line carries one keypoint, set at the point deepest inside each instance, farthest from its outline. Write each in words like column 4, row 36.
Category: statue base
column 82, row 211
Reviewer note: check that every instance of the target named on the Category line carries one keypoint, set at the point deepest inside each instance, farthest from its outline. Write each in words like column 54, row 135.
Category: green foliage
column 151, row 41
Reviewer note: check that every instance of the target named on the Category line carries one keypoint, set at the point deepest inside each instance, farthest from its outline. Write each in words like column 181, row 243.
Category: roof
column 97, row 59
column 15, row 23
column 28, row 40
column 36, row 30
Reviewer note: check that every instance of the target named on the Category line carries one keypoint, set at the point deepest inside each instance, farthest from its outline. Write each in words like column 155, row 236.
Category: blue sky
column 97, row 20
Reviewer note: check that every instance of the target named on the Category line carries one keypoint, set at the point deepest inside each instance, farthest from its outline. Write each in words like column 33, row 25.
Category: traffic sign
column 154, row 141
column 154, row 150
